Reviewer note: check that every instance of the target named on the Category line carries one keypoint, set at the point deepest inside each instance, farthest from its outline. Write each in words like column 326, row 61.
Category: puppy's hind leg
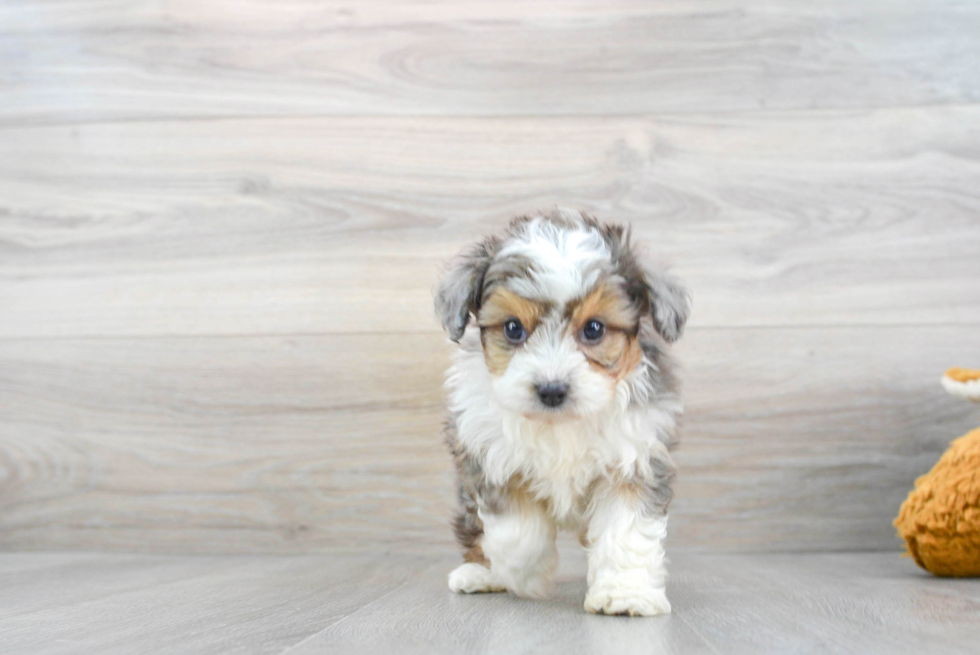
column 473, row 577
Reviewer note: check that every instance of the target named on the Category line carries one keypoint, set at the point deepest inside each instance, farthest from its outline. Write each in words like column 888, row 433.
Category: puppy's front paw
column 473, row 578
column 613, row 598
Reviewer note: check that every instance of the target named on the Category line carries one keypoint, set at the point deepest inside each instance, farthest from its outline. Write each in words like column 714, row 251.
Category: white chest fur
column 558, row 462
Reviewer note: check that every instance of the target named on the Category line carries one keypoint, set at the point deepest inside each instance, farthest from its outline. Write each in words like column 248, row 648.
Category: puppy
column 562, row 409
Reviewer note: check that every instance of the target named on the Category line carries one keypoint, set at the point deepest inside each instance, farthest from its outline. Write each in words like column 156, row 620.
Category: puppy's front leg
column 520, row 544
column 626, row 558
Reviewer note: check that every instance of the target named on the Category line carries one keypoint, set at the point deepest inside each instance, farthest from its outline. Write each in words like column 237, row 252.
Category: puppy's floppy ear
column 670, row 303
column 461, row 287
column 652, row 289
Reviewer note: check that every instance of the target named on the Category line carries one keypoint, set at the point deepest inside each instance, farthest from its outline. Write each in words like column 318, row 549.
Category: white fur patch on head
column 565, row 262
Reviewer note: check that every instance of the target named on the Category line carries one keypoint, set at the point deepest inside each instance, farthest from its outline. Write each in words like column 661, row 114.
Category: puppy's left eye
column 515, row 332
column 593, row 330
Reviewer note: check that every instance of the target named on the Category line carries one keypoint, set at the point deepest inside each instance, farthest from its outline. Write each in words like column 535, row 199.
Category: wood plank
column 808, row 603
column 861, row 603
column 803, row 603
column 339, row 225
column 794, row 439
column 28, row 579
column 789, row 429
column 424, row 618
column 268, row 443
column 98, row 60
column 825, row 603
column 122, row 604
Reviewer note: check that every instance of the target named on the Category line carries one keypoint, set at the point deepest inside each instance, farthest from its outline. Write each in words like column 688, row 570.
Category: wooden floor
column 864, row 604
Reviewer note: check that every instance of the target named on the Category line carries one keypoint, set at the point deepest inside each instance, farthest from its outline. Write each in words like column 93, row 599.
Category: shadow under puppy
column 562, row 409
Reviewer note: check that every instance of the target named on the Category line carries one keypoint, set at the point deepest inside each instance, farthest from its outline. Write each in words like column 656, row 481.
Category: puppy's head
column 561, row 302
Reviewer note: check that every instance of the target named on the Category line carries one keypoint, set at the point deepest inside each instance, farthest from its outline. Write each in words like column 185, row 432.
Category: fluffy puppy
column 562, row 409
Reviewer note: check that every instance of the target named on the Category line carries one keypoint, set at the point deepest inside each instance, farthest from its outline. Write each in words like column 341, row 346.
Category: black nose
column 552, row 394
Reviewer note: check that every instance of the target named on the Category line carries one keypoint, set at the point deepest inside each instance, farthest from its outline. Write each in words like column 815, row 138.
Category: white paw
column 473, row 578
column 612, row 598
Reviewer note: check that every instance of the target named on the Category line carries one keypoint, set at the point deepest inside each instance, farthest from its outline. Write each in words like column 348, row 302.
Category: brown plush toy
column 940, row 520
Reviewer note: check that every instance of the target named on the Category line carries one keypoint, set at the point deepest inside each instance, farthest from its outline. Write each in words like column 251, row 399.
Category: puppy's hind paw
column 608, row 599
column 471, row 578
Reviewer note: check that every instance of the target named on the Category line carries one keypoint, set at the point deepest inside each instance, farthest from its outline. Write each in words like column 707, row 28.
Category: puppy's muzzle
column 552, row 394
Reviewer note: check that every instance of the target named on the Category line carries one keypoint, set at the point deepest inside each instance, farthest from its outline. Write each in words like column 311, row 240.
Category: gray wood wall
column 220, row 223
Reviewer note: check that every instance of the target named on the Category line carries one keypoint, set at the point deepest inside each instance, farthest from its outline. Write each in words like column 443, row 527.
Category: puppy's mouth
column 552, row 415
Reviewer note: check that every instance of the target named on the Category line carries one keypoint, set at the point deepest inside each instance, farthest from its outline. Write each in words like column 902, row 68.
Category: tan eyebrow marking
column 501, row 306
column 619, row 351
column 609, row 304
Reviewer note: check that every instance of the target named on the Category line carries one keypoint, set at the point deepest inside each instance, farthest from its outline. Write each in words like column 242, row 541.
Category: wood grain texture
column 864, row 604
column 340, row 225
column 220, row 223
column 146, row 60
column 795, row 439
column 848, row 603
column 79, row 603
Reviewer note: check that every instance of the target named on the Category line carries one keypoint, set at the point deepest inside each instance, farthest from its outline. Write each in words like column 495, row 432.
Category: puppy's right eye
column 593, row 331
column 514, row 331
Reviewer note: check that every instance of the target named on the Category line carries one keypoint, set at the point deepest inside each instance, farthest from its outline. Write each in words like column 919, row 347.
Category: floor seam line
column 341, row 620
column 652, row 113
